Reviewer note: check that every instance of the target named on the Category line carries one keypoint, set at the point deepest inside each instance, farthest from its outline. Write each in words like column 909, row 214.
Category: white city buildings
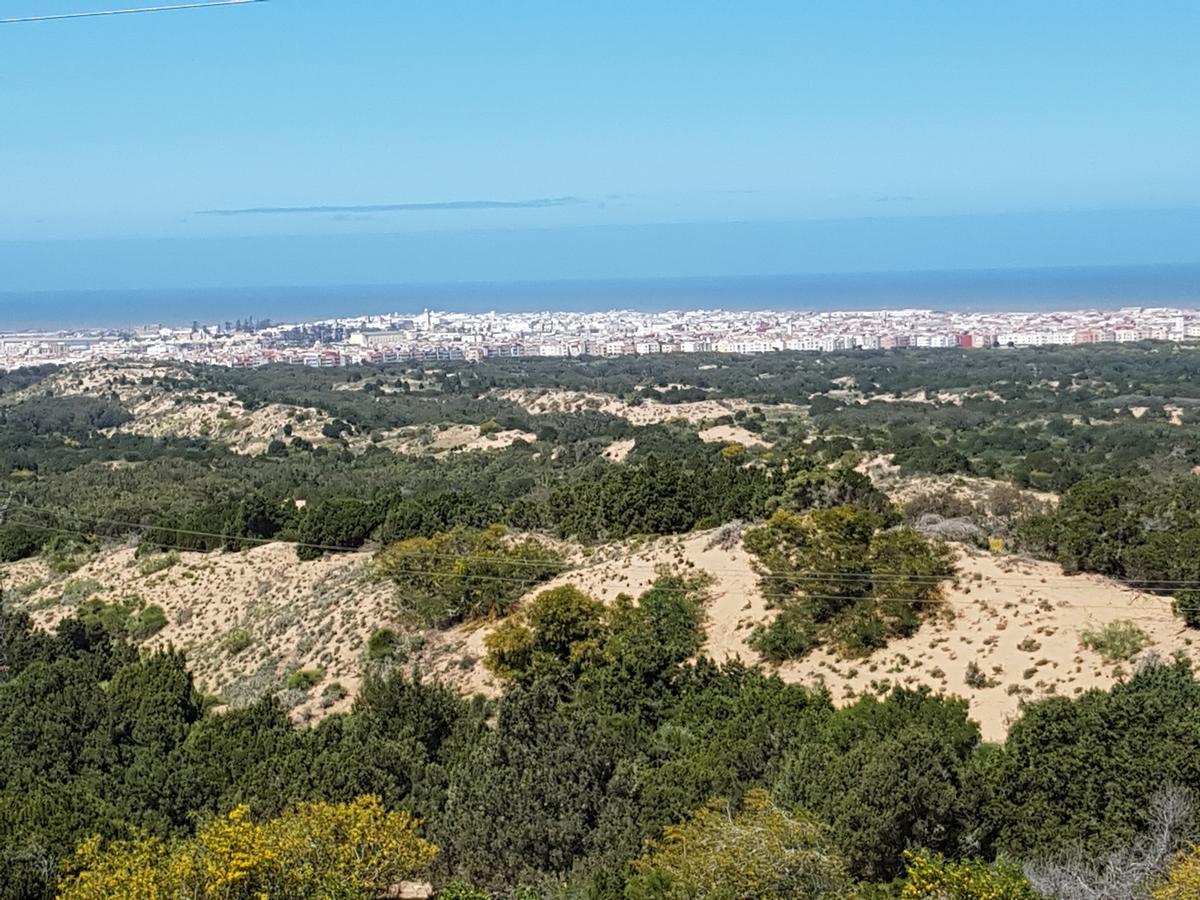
column 435, row 335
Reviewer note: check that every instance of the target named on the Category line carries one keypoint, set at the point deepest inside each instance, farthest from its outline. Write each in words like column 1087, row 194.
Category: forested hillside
column 796, row 625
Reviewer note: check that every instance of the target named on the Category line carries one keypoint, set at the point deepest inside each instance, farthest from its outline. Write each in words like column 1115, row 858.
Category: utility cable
column 127, row 12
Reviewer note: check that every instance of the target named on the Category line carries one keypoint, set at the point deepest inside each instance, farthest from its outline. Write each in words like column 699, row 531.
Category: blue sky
column 1021, row 133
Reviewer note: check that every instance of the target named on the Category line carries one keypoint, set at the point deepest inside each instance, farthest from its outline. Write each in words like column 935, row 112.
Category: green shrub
column 465, row 573
column 382, row 643
column 838, row 578
column 78, row 590
column 340, row 522
column 236, row 640
column 148, row 622
column 305, row 679
column 1116, row 641
column 1187, row 605
column 332, row 693
column 26, row 589
column 18, row 542
column 129, row 618
column 560, row 627
column 456, row 890
column 65, row 554
column 975, row 677
column 158, row 563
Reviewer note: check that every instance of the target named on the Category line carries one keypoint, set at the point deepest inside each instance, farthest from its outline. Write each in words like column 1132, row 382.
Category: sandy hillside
column 732, row 434
column 1019, row 621
column 90, row 379
column 648, row 412
column 222, row 417
column 440, row 440
column 297, row 615
column 901, row 488
column 618, row 451
column 182, row 411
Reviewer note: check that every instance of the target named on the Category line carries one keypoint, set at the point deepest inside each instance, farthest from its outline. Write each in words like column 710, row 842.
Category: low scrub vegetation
column 1116, row 641
column 160, row 562
column 236, row 640
column 619, row 760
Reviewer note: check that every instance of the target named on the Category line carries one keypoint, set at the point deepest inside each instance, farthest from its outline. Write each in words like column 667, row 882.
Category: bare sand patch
column 618, row 451
column 1019, row 621
column 309, row 615
column 732, row 434
column 647, row 412
column 441, row 440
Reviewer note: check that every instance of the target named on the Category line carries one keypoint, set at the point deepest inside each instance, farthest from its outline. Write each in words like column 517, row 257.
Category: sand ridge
column 442, row 440
column 1019, row 621
column 297, row 615
column 646, row 412
column 182, row 409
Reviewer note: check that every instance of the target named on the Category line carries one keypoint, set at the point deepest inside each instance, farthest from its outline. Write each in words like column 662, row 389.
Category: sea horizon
column 983, row 290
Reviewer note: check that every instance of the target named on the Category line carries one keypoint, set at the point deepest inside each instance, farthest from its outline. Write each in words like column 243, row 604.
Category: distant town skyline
column 474, row 337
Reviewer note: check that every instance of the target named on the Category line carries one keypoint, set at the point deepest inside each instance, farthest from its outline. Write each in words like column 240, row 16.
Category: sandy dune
column 732, row 434
column 901, row 488
column 180, row 411
column 299, row 615
column 222, row 417
column 648, row 412
column 440, row 440
column 1019, row 621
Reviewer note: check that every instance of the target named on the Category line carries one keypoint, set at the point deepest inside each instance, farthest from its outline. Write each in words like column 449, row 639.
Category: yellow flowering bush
column 315, row 850
column 763, row 852
column 1183, row 881
column 931, row 876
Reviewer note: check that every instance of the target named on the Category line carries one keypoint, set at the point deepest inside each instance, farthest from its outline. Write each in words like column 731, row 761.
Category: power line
column 127, row 12
column 850, row 576
column 531, row 580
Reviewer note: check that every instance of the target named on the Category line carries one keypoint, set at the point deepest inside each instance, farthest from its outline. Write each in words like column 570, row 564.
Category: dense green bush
column 465, row 573
column 20, row 542
column 564, row 778
column 838, row 579
column 382, row 643
column 333, row 525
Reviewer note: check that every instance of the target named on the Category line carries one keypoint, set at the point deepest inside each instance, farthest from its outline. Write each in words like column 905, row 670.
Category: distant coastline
column 991, row 290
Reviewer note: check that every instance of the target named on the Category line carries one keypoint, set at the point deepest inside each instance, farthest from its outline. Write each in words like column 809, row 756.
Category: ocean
column 1102, row 287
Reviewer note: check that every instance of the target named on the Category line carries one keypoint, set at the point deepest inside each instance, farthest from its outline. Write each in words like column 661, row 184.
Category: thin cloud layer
column 536, row 203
